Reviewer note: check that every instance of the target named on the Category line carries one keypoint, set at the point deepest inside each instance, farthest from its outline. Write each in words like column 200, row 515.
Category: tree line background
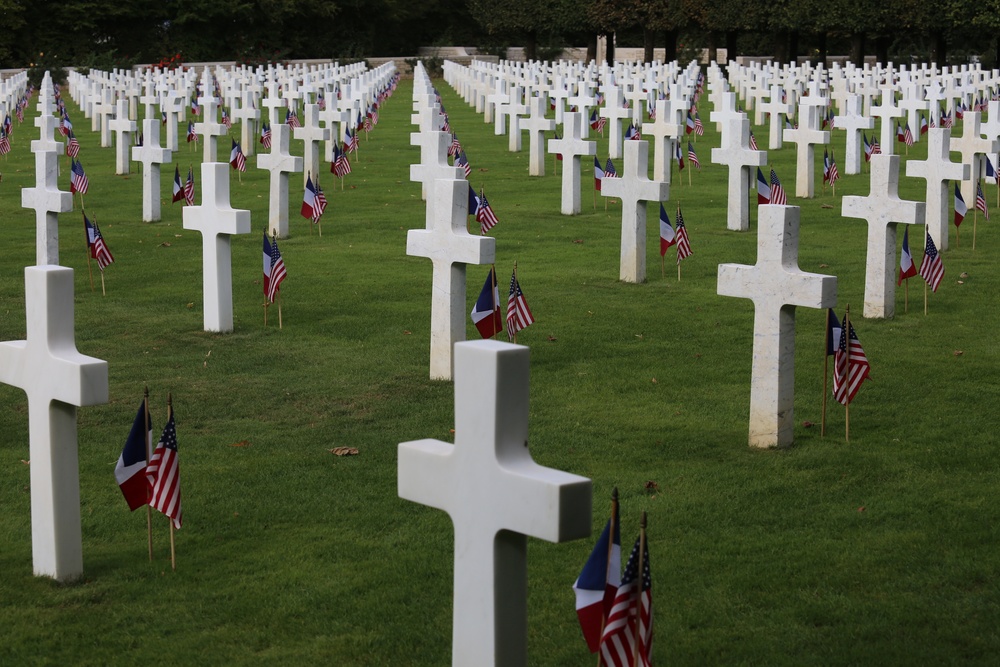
column 112, row 33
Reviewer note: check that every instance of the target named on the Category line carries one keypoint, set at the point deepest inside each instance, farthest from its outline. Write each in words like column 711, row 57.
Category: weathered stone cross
column 280, row 162
column 151, row 155
column 124, row 128
column 736, row 154
column 572, row 147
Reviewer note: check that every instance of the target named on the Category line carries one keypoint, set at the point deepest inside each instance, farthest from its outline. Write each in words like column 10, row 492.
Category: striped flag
column 189, row 188
column 763, row 189
column 163, row 475
column 667, row 235
column 907, row 269
column 932, row 267
column 834, row 173
column 868, row 148
column 236, row 157
column 462, row 161
column 847, row 377
column 4, row 142
column 78, row 179
column 981, row 201
column 518, row 314
column 484, row 215
column 961, row 208
column 265, row 135
column 95, row 242
column 629, row 628
column 683, row 243
column 73, row 145
column 278, row 273
column 753, row 142
column 699, row 129
column 693, row 157
column 777, row 192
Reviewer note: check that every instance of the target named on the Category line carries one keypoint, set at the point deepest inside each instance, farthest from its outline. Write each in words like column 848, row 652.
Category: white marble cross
column 806, row 136
column 273, row 103
column 662, row 133
column 280, row 162
column 537, row 125
column 104, row 112
column 855, row 123
column 499, row 99
column 911, row 104
column 311, row 135
column 57, row 380
column 736, row 154
column 887, row 112
column 216, row 219
column 173, row 107
column 938, row 170
column 46, row 199
column 775, row 108
column 496, row 496
column 151, row 155
column 247, row 115
column 776, row 285
column 123, row 128
column 882, row 209
column 973, row 146
column 446, row 241
column 515, row 109
column 635, row 189
column 210, row 128
column 615, row 112
column 572, row 147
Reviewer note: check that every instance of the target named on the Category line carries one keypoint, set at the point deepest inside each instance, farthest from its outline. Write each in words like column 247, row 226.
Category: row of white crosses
column 56, row 378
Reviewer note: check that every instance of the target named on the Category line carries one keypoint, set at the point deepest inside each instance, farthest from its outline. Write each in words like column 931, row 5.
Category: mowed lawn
column 880, row 550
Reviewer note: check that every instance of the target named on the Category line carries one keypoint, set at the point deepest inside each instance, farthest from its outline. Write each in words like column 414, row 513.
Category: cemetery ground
column 880, row 550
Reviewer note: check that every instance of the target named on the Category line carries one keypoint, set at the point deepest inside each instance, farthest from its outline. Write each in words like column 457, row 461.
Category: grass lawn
column 882, row 550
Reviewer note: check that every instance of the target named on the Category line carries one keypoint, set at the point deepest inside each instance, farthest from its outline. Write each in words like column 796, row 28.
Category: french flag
column 486, row 313
column 309, row 200
column 131, row 469
column 598, row 583
column 763, row 189
column 907, row 269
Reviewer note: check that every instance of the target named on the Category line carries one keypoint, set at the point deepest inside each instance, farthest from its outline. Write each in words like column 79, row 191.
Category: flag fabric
column 667, row 235
column 473, row 201
column 456, row 146
column 598, row 174
column 960, row 206
column 699, row 129
column 834, row 174
column 683, row 243
column 463, row 162
column 320, row 202
column 876, row 146
column 484, row 214
column 78, row 179
column 981, row 200
column 832, row 332
column 309, row 207
column 236, row 157
column 292, row 119
column 267, row 265
column 343, row 165
column 907, row 269
column 826, row 166
column 777, row 192
column 753, row 142
column 598, row 583
column 629, row 629
column 991, row 172
column 923, row 124
column 594, row 119
column 265, row 135
column 191, row 136
column 847, row 378
column 95, row 243
column 226, row 120
column 679, row 156
column 763, row 189
column 868, row 148
column 278, row 273
column 689, row 124
column 518, row 314
column 352, row 141
column 65, row 125
column 189, row 188
column 178, row 187
column 899, row 133
column 907, row 135
column 130, row 472
column 163, row 475
column 486, row 313
column 693, row 157
column 5, row 143
column 609, row 169
column 932, row 266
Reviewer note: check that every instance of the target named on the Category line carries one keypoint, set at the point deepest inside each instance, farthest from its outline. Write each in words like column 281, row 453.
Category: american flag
column 191, row 136
column 456, row 146
column 292, row 119
column 65, row 125
column 265, row 135
column 341, row 165
column 869, row 147
column 932, row 267
column 95, row 242
column 78, row 179
column 4, row 143
column 189, row 188
column 777, row 192
column 907, row 135
column 981, row 200
column 320, row 101
column 321, row 202
column 163, row 475
column 629, row 627
column 692, row 156
column 753, row 142
column 226, row 120
column 683, row 243
column 484, row 215
column 849, row 374
column 351, row 144
column 278, row 273
column 518, row 314
column 876, row 146
column 462, row 161
column 609, row 169
column 699, row 129
column 236, row 157
column 834, row 173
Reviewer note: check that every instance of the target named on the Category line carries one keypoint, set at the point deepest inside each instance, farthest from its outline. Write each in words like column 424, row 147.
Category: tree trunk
column 713, row 48
column 781, row 47
column 670, row 46
column 793, row 46
column 610, row 59
column 821, row 48
column 731, row 45
column 530, row 45
column 648, row 45
column 939, row 54
column 592, row 48
column 882, row 49
column 858, row 49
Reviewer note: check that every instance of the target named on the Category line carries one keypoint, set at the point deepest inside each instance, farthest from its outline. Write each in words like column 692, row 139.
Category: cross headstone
column 123, row 128
column 662, row 133
column 496, row 496
column 776, row 107
column 852, row 120
column 776, row 285
column 104, row 112
column 938, row 170
column 47, row 200
column 882, row 209
column 515, row 109
column 635, row 189
column 614, row 110
column 973, row 146
column 446, row 241
column 537, row 125
column 247, row 115
column 210, row 128
column 911, row 104
column 151, row 155
column 572, row 147
column 280, row 162
column 735, row 153
column 499, row 100
column 887, row 112
column 273, row 103
column 173, row 107
column 216, row 219
column 311, row 134
column 806, row 136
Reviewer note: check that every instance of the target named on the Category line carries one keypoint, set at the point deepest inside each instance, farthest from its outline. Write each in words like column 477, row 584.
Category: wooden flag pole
column 640, row 578
column 173, row 548
column 925, row 297
column 493, row 293
column 975, row 219
column 103, row 293
column 847, row 375
column 611, row 542
column 147, row 439
column 689, row 172
column 826, row 364
column 958, row 237
column 279, row 309
column 663, row 270
column 906, row 296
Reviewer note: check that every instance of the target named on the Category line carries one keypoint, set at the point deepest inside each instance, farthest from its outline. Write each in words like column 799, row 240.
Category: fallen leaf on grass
column 963, row 275
column 578, row 241
column 652, row 486
column 241, row 443
column 165, row 244
column 344, row 451
column 826, row 206
column 552, row 339
column 27, row 463
column 961, row 282
column 958, row 353
column 406, row 333
column 824, row 266
column 654, row 380
column 807, row 424
column 862, row 508
column 190, row 305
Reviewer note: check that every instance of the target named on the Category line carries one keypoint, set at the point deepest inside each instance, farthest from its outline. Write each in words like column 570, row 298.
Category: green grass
column 878, row 551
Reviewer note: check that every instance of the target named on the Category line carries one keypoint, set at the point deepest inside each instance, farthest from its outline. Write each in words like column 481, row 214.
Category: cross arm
column 424, row 469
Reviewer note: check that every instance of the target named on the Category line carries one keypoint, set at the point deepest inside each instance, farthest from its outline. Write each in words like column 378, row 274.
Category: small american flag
column 629, row 627
column 191, row 135
column 484, row 215
column 699, row 129
column 98, row 248
column 78, row 180
column 981, row 200
column 278, row 273
column 320, row 204
column 456, row 146
column 226, row 120
column 4, row 143
column 692, row 156
column 848, row 376
column 777, row 192
column 341, row 165
column 932, row 267
column 189, row 188
column 683, row 243
column 518, row 314
column 834, row 172
column 292, row 119
column 163, row 475
column 236, row 157
column 462, row 161
column 265, row 135
column 753, row 142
